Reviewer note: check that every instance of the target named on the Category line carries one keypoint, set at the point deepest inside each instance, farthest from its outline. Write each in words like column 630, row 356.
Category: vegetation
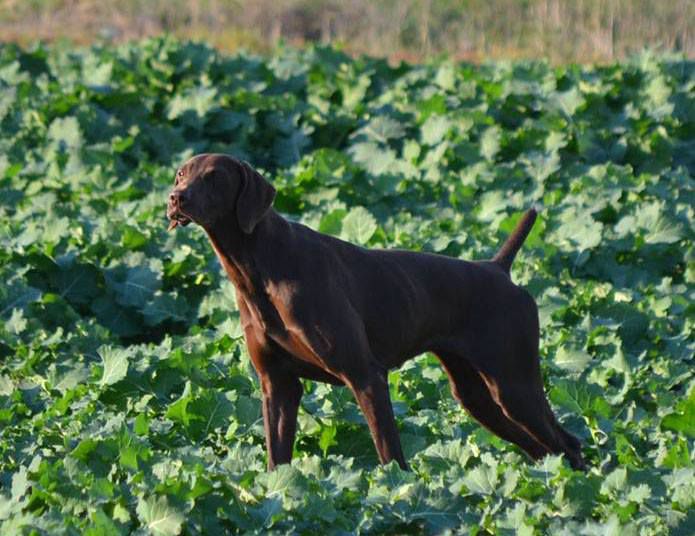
column 127, row 401
column 561, row 30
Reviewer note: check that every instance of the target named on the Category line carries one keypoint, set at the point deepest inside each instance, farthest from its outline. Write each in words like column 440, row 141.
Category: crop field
column 127, row 400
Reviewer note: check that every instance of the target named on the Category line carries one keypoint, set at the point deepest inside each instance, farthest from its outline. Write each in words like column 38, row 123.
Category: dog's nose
column 175, row 198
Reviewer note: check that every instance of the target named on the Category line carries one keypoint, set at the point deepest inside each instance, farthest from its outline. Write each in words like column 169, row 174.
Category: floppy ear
column 255, row 198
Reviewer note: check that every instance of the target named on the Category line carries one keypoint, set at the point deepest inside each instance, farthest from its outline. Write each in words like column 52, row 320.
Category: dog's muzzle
column 174, row 212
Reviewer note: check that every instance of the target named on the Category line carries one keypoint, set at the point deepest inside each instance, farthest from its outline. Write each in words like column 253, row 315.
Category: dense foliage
column 127, row 401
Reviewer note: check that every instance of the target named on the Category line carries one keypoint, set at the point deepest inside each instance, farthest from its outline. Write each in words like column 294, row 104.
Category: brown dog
column 316, row 307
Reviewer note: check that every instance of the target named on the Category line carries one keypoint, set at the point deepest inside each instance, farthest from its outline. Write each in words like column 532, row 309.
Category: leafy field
column 127, row 400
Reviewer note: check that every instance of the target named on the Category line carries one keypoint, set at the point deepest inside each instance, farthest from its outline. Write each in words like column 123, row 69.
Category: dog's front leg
column 281, row 397
column 281, row 390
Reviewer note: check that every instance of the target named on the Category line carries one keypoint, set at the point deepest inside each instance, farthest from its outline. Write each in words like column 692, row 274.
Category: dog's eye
column 179, row 175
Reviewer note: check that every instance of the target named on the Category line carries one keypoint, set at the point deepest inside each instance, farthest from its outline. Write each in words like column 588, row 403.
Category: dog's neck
column 235, row 249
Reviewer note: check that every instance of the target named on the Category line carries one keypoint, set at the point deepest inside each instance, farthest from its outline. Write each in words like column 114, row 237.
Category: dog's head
column 210, row 187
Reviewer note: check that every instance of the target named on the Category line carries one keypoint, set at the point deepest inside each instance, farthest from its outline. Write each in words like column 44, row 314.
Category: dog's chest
column 259, row 317
column 269, row 318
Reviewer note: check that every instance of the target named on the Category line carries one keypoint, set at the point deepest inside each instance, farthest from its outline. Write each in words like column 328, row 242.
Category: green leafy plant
column 127, row 400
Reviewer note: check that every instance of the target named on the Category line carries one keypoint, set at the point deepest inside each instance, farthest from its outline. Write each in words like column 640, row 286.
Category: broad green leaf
column 103, row 525
column 681, row 483
column 163, row 307
column 569, row 101
column 6, row 386
column 76, row 282
column 446, row 76
column 354, row 94
column 572, row 359
column 178, row 411
column 69, row 377
column 490, row 142
column 578, row 229
column 579, row 398
column 114, row 364
column 658, row 91
column 358, row 225
column 17, row 322
column 482, row 479
column 66, row 130
column 198, row 100
column 615, row 482
column 374, row 158
column 139, row 286
column 384, row 128
column 434, row 129
column 683, row 417
column 284, row 480
column 20, row 483
column 660, row 227
column 158, row 517
column 327, row 438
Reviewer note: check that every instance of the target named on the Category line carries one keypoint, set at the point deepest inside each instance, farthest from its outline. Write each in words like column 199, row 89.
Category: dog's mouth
column 178, row 218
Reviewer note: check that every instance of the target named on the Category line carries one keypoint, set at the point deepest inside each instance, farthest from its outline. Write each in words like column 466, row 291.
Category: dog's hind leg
column 523, row 401
column 469, row 388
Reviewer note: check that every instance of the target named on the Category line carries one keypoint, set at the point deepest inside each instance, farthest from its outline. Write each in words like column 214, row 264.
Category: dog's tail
column 505, row 256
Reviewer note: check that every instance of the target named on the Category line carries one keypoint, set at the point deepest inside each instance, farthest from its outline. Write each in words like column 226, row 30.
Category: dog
column 313, row 306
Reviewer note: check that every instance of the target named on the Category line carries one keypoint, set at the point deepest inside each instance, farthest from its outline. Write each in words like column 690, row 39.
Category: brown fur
column 316, row 307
